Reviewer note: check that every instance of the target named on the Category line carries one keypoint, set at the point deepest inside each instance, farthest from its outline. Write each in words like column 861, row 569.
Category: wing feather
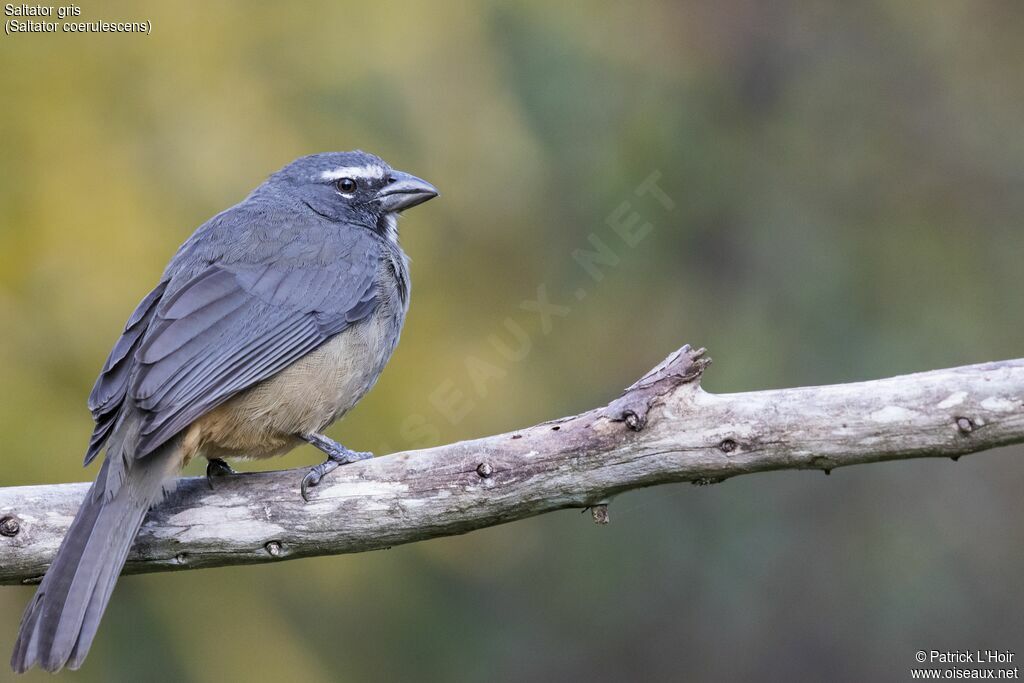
column 111, row 386
column 234, row 326
column 189, row 346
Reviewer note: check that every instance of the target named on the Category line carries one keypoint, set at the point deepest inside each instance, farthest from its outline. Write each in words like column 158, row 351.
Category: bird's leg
column 336, row 455
column 216, row 467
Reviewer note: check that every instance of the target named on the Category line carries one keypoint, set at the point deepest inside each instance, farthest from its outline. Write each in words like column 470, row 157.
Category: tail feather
column 61, row 620
column 104, row 586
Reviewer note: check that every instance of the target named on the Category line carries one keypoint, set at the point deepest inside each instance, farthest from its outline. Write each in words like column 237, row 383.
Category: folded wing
column 193, row 346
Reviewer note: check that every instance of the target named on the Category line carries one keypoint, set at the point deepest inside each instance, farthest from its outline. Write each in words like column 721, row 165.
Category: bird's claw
column 337, row 455
column 217, row 468
column 316, row 475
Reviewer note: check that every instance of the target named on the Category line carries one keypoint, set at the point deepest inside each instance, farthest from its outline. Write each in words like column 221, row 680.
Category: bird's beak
column 404, row 191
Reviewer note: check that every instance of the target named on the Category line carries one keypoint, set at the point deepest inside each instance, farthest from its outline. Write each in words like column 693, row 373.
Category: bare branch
column 662, row 429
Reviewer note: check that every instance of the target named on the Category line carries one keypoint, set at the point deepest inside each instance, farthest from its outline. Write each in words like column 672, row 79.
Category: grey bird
column 272, row 320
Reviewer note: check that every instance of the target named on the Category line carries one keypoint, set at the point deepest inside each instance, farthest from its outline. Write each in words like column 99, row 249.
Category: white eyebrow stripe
column 368, row 171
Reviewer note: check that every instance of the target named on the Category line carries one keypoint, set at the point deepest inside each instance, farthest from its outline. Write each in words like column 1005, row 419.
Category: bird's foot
column 337, row 455
column 217, row 468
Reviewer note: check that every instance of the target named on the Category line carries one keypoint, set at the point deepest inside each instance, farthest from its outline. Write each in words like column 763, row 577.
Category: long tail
column 61, row 620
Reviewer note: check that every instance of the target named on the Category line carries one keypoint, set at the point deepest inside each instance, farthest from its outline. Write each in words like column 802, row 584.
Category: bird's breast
column 307, row 396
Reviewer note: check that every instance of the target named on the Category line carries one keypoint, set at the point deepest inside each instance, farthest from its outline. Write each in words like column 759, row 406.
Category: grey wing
column 231, row 327
column 108, row 394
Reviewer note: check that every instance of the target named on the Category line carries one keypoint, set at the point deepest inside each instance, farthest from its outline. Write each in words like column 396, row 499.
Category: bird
column 270, row 322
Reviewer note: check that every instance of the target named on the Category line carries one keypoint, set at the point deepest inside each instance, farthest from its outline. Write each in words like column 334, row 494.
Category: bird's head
column 353, row 187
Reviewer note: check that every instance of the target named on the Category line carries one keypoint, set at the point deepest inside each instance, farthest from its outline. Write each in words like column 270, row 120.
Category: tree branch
column 662, row 429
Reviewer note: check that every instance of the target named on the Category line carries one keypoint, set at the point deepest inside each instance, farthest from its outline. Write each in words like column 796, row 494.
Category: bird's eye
column 346, row 185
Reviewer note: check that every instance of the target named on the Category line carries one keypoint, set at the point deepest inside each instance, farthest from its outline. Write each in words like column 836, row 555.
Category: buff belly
column 307, row 396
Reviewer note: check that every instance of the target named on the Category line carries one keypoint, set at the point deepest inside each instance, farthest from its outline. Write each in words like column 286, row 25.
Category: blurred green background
column 848, row 189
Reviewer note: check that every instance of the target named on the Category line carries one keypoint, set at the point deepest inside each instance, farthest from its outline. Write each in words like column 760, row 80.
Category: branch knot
column 684, row 366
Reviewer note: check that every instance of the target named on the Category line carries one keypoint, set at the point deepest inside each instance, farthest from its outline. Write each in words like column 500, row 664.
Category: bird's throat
column 387, row 226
